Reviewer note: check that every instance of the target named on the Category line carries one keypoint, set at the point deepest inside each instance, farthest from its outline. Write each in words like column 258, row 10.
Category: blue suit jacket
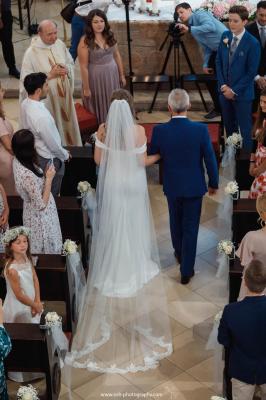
column 184, row 146
column 243, row 331
column 239, row 76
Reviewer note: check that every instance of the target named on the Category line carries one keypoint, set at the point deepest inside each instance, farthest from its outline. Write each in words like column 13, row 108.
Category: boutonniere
column 226, row 41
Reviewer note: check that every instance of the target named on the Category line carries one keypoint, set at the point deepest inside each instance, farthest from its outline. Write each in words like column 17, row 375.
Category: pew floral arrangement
column 69, row 247
column 219, row 9
column 232, row 189
column 225, row 247
column 53, row 319
column 84, row 187
column 27, row 393
column 235, row 140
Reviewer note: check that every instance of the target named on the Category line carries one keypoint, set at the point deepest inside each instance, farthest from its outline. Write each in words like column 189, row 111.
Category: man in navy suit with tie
column 242, row 331
column 185, row 148
column 237, row 63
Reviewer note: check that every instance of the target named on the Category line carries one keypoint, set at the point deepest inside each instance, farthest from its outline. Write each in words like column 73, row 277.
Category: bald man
column 49, row 54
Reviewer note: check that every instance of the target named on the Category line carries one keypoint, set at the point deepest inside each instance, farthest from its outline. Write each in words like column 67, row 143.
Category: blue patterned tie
column 233, row 48
column 262, row 36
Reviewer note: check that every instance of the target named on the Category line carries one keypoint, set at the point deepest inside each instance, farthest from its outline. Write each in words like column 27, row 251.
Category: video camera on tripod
column 174, row 30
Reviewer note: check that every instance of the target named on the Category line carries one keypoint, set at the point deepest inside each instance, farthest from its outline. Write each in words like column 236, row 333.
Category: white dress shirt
column 36, row 117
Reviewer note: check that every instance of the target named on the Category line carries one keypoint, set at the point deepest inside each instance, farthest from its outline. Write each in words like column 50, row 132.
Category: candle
column 155, row 6
column 143, row 4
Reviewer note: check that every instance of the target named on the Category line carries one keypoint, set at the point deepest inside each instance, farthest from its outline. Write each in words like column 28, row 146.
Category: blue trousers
column 77, row 29
column 237, row 115
column 184, row 213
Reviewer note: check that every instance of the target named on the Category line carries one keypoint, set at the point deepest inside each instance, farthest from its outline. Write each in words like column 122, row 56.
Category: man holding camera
column 207, row 31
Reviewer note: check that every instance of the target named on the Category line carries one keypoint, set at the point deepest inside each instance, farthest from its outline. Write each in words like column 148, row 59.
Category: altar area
column 147, row 34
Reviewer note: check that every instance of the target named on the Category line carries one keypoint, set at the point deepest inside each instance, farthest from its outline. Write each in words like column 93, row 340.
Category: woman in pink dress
column 6, row 157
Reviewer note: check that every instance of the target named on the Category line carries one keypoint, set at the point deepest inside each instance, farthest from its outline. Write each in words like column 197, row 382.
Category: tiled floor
column 188, row 373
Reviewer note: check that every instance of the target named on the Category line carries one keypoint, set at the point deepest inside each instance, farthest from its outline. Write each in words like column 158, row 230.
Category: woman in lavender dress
column 100, row 65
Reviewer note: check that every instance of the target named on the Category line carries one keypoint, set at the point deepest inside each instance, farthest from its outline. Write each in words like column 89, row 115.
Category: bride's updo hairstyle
column 123, row 94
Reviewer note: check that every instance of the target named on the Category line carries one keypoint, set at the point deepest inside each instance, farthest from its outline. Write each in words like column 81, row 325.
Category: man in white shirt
column 36, row 117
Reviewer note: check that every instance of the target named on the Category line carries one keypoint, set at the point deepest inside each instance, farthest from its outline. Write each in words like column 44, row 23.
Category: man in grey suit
column 207, row 31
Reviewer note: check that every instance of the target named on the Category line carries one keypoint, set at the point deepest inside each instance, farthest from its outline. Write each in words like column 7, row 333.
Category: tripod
column 177, row 76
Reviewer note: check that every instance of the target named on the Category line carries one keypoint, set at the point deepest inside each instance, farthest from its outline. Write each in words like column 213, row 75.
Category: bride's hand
column 101, row 133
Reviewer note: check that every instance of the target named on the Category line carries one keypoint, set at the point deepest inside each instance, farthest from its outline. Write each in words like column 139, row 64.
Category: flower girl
column 22, row 302
column 252, row 246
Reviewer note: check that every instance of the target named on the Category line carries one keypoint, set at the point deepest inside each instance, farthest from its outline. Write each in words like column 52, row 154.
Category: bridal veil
column 123, row 324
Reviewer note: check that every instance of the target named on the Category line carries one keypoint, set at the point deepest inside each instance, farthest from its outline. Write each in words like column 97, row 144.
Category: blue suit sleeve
column 154, row 147
column 224, row 336
column 210, row 160
column 219, row 64
column 252, row 64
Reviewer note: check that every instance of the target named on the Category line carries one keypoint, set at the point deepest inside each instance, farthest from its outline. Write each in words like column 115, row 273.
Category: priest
column 49, row 54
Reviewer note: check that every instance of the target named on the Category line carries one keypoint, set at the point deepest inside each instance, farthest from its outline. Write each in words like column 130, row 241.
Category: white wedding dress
column 123, row 323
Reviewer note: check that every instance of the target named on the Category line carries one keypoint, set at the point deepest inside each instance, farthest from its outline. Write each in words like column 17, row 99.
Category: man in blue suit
column 242, row 331
column 184, row 147
column 237, row 63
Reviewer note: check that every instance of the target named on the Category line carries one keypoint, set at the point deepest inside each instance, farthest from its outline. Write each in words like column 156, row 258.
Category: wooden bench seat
column 244, row 218
column 32, row 352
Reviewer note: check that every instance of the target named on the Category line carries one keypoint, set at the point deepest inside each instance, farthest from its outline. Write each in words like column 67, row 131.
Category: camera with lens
column 174, row 30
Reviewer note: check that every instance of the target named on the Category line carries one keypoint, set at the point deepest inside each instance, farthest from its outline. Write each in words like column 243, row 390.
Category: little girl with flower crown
column 22, row 302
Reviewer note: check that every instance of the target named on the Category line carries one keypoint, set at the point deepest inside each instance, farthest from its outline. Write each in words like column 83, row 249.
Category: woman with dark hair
column 34, row 187
column 257, row 166
column 100, row 65
column 6, row 156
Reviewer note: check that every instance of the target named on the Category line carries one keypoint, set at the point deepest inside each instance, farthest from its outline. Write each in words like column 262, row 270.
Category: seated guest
column 34, row 187
column 5, row 347
column 242, row 332
column 237, row 64
column 252, row 245
column 4, row 213
column 257, row 166
column 36, row 117
column 6, row 155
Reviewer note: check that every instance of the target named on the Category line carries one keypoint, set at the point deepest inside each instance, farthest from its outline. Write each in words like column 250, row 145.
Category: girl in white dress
column 34, row 187
column 253, row 244
column 22, row 302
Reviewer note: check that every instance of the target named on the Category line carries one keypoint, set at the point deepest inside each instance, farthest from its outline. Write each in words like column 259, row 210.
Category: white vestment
column 40, row 57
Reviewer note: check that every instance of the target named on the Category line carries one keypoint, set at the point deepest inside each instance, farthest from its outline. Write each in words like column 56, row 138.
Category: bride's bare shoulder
column 141, row 136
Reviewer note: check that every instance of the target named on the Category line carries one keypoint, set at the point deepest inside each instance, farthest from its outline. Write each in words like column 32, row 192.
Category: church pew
column 81, row 167
column 32, row 352
column 243, row 178
column 70, row 214
column 244, row 218
column 56, row 284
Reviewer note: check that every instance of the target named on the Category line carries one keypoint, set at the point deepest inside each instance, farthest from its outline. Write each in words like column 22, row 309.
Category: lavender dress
column 103, row 80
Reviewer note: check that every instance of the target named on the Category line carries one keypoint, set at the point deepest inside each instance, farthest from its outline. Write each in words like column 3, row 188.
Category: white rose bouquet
column 232, row 188
column 84, row 187
column 53, row 319
column 235, row 140
column 69, row 247
column 225, row 247
column 27, row 393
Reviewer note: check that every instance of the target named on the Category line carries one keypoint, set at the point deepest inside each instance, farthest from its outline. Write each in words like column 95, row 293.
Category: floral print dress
column 5, row 347
column 259, row 184
column 41, row 219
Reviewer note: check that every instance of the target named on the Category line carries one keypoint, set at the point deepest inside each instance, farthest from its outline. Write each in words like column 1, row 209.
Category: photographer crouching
column 207, row 31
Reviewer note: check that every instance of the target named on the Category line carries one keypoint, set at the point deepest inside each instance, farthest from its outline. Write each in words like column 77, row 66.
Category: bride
column 123, row 324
